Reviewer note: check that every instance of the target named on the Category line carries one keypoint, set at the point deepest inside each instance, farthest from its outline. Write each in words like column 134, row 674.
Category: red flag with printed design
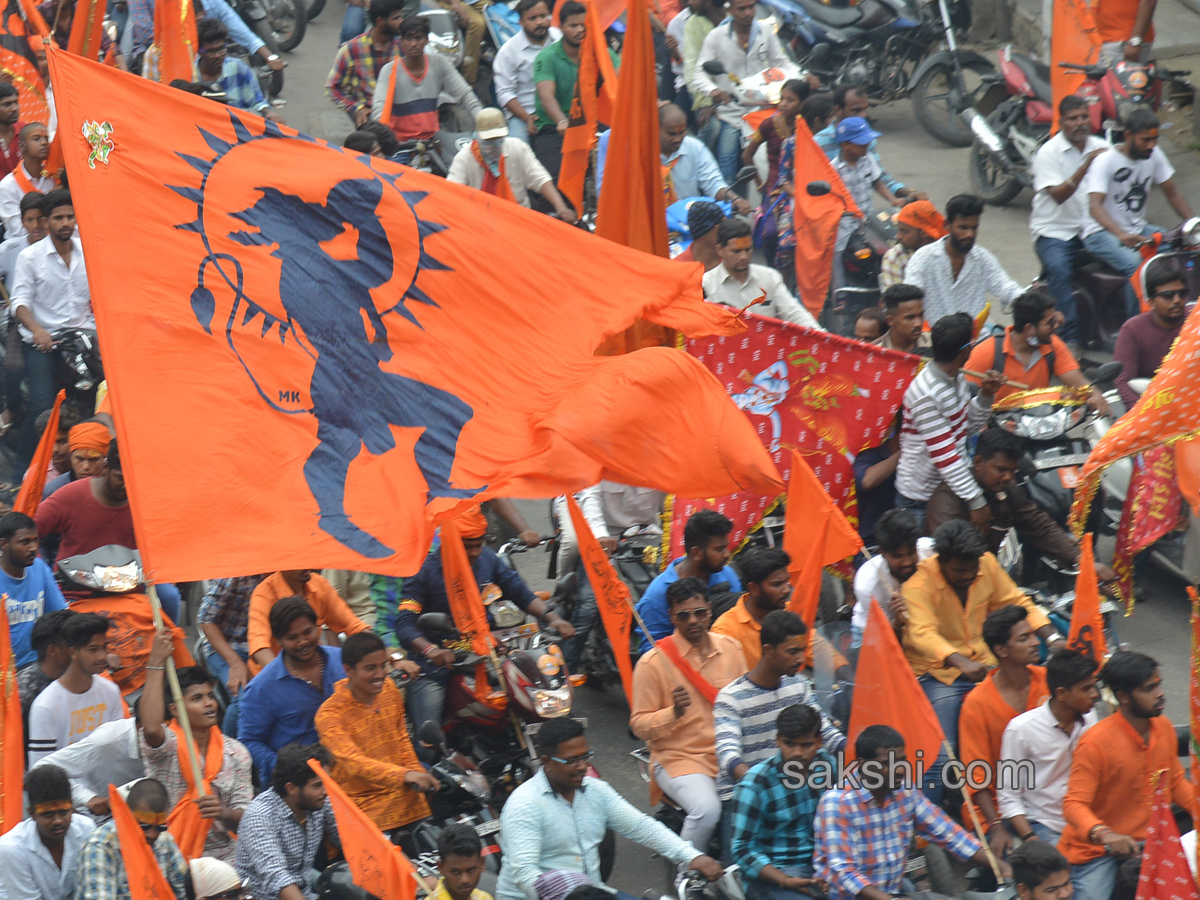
column 1165, row 873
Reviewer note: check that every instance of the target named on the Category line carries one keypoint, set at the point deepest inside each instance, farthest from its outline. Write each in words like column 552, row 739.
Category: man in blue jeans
column 1060, row 205
column 1118, row 186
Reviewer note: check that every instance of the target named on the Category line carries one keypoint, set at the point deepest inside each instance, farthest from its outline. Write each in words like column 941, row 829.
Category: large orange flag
column 594, row 101
column 87, row 29
column 12, row 734
column 146, row 880
column 175, row 38
column 18, row 62
column 612, row 595
column 816, row 218
column 1087, row 624
column 632, row 208
column 815, row 535
column 462, row 591
column 1165, row 873
column 349, row 328
column 1168, row 411
column 1074, row 38
column 886, row 693
column 30, row 494
column 378, row 866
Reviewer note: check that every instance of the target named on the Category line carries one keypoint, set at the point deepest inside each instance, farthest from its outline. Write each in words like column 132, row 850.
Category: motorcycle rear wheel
column 989, row 180
column 284, row 25
column 938, row 104
column 315, row 8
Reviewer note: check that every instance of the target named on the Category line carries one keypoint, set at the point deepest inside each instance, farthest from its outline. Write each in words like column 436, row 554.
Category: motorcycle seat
column 1037, row 72
column 832, row 16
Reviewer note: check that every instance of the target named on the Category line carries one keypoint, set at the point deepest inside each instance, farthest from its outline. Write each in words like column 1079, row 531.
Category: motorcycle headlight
column 552, row 704
column 1044, row 428
column 117, row 579
column 1191, row 232
column 506, row 614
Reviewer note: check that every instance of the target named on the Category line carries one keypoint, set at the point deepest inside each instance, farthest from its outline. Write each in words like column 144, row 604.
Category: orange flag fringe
column 816, row 218
column 1165, row 873
column 1169, row 411
column 30, row 494
column 175, row 37
column 632, row 207
column 1086, row 633
column 87, row 29
column 378, row 866
column 146, row 879
column 594, row 101
column 12, row 733
column 1073, row 39
column 612, row 595
column 363, row 420
column 886, row 693
column 18, row 62
column 462, row 591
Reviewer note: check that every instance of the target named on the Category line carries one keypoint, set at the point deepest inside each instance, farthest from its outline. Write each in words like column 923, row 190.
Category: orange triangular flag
column 146, row 879
column 612, row 595
column 981, row 320
column 595, row 97
column 1165, row 873
column 30, row 494
column 87, row 29
column 462, row 591
column 1087, row 624
column 175, row 38
column 12, row 740
column 377, row 865
column 632, row 206
column 887, row 693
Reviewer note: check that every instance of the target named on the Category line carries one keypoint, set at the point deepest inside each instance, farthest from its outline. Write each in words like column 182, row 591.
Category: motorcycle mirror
column 430, row 734
column 1107, row 373
column 1191, row 232
column 714, row 67
column 436, row 623
column 818, row 188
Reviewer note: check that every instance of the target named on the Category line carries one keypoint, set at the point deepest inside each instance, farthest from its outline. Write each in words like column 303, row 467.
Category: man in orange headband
column 426, row 592
column 28, row 852
column 87, row 448
column 917, row 224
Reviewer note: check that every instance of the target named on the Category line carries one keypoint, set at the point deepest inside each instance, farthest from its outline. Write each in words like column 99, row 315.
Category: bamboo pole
column 177, row 696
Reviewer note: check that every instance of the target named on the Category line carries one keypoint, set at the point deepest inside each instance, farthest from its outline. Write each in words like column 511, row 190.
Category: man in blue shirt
column 426, row 593
column 706, row 556
column 237, row 79
column 279, row 705
column 27, row 586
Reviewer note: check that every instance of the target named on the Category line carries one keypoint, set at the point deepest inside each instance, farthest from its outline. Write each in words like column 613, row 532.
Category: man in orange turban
column 87, row 449
column 917, row 224
column 500, row 587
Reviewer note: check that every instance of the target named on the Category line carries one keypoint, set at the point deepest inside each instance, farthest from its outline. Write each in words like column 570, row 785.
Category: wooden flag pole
column 177, row 696
column 991, row 857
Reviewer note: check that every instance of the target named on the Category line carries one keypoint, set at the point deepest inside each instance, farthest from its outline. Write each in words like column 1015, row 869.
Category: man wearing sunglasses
column 1144, row 340
column 674, row 688
column 552, row 825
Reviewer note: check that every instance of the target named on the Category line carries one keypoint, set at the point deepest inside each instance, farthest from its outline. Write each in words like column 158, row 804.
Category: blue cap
column 856, row 130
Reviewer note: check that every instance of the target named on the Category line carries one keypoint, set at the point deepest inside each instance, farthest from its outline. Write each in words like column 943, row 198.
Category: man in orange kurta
column 331, row 610
column 990, row 707
column 362, row 724
column 1113, row 775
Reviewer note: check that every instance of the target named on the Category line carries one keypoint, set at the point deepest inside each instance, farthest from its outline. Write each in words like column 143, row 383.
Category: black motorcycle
column 279, row 23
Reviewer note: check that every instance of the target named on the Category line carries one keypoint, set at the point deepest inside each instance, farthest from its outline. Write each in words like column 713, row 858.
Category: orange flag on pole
column 87, row 29
column 1165, row 873
column 175, row 38
column 12, row 733
column 30, row 494
column 1074, row 38
column 632, row 207
column 1167, row 412
column 887, row 693
column 377, row 865
column 462, row 591
column 816, row 218
column 366, row 418
column 612, row 594
column 1087, row 624
column 815, row 535
column 595, row 98
column 146, row 879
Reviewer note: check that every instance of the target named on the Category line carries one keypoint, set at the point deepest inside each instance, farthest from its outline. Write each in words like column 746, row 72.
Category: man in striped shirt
column 938, row 417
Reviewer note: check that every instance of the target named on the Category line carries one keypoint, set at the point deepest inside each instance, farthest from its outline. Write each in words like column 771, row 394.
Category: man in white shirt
column 956, row 274
column 109, row 755
column 26, row 177
column 880, row 578
column 1046, row 737
column 33, row 220
column 743, row 47
column 493, row 155
column 737, row 282
column 1060, row 207
column 39, row 857
column 512, row 69
column 1118, row 188
column 80, row 701
column 49, row 293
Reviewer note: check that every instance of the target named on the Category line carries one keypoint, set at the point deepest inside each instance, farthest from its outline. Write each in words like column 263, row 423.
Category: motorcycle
column 433, row 155
column 946, row 83
column 279, row 23
column 78, row 368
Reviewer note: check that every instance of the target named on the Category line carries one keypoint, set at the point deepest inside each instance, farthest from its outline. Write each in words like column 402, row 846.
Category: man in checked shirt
column 864, row 830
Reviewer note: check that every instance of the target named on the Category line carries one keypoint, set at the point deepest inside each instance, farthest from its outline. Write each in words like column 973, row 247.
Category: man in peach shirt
column 1113, row 773
column 331, row 610
column 674, row 686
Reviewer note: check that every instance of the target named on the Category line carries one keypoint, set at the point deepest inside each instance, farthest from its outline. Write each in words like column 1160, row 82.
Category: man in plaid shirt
column 863, row 833
column 773, row 815
column 356, row 68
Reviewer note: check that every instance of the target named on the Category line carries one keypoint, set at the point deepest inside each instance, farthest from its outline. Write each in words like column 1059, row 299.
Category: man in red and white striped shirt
column 939, row 416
